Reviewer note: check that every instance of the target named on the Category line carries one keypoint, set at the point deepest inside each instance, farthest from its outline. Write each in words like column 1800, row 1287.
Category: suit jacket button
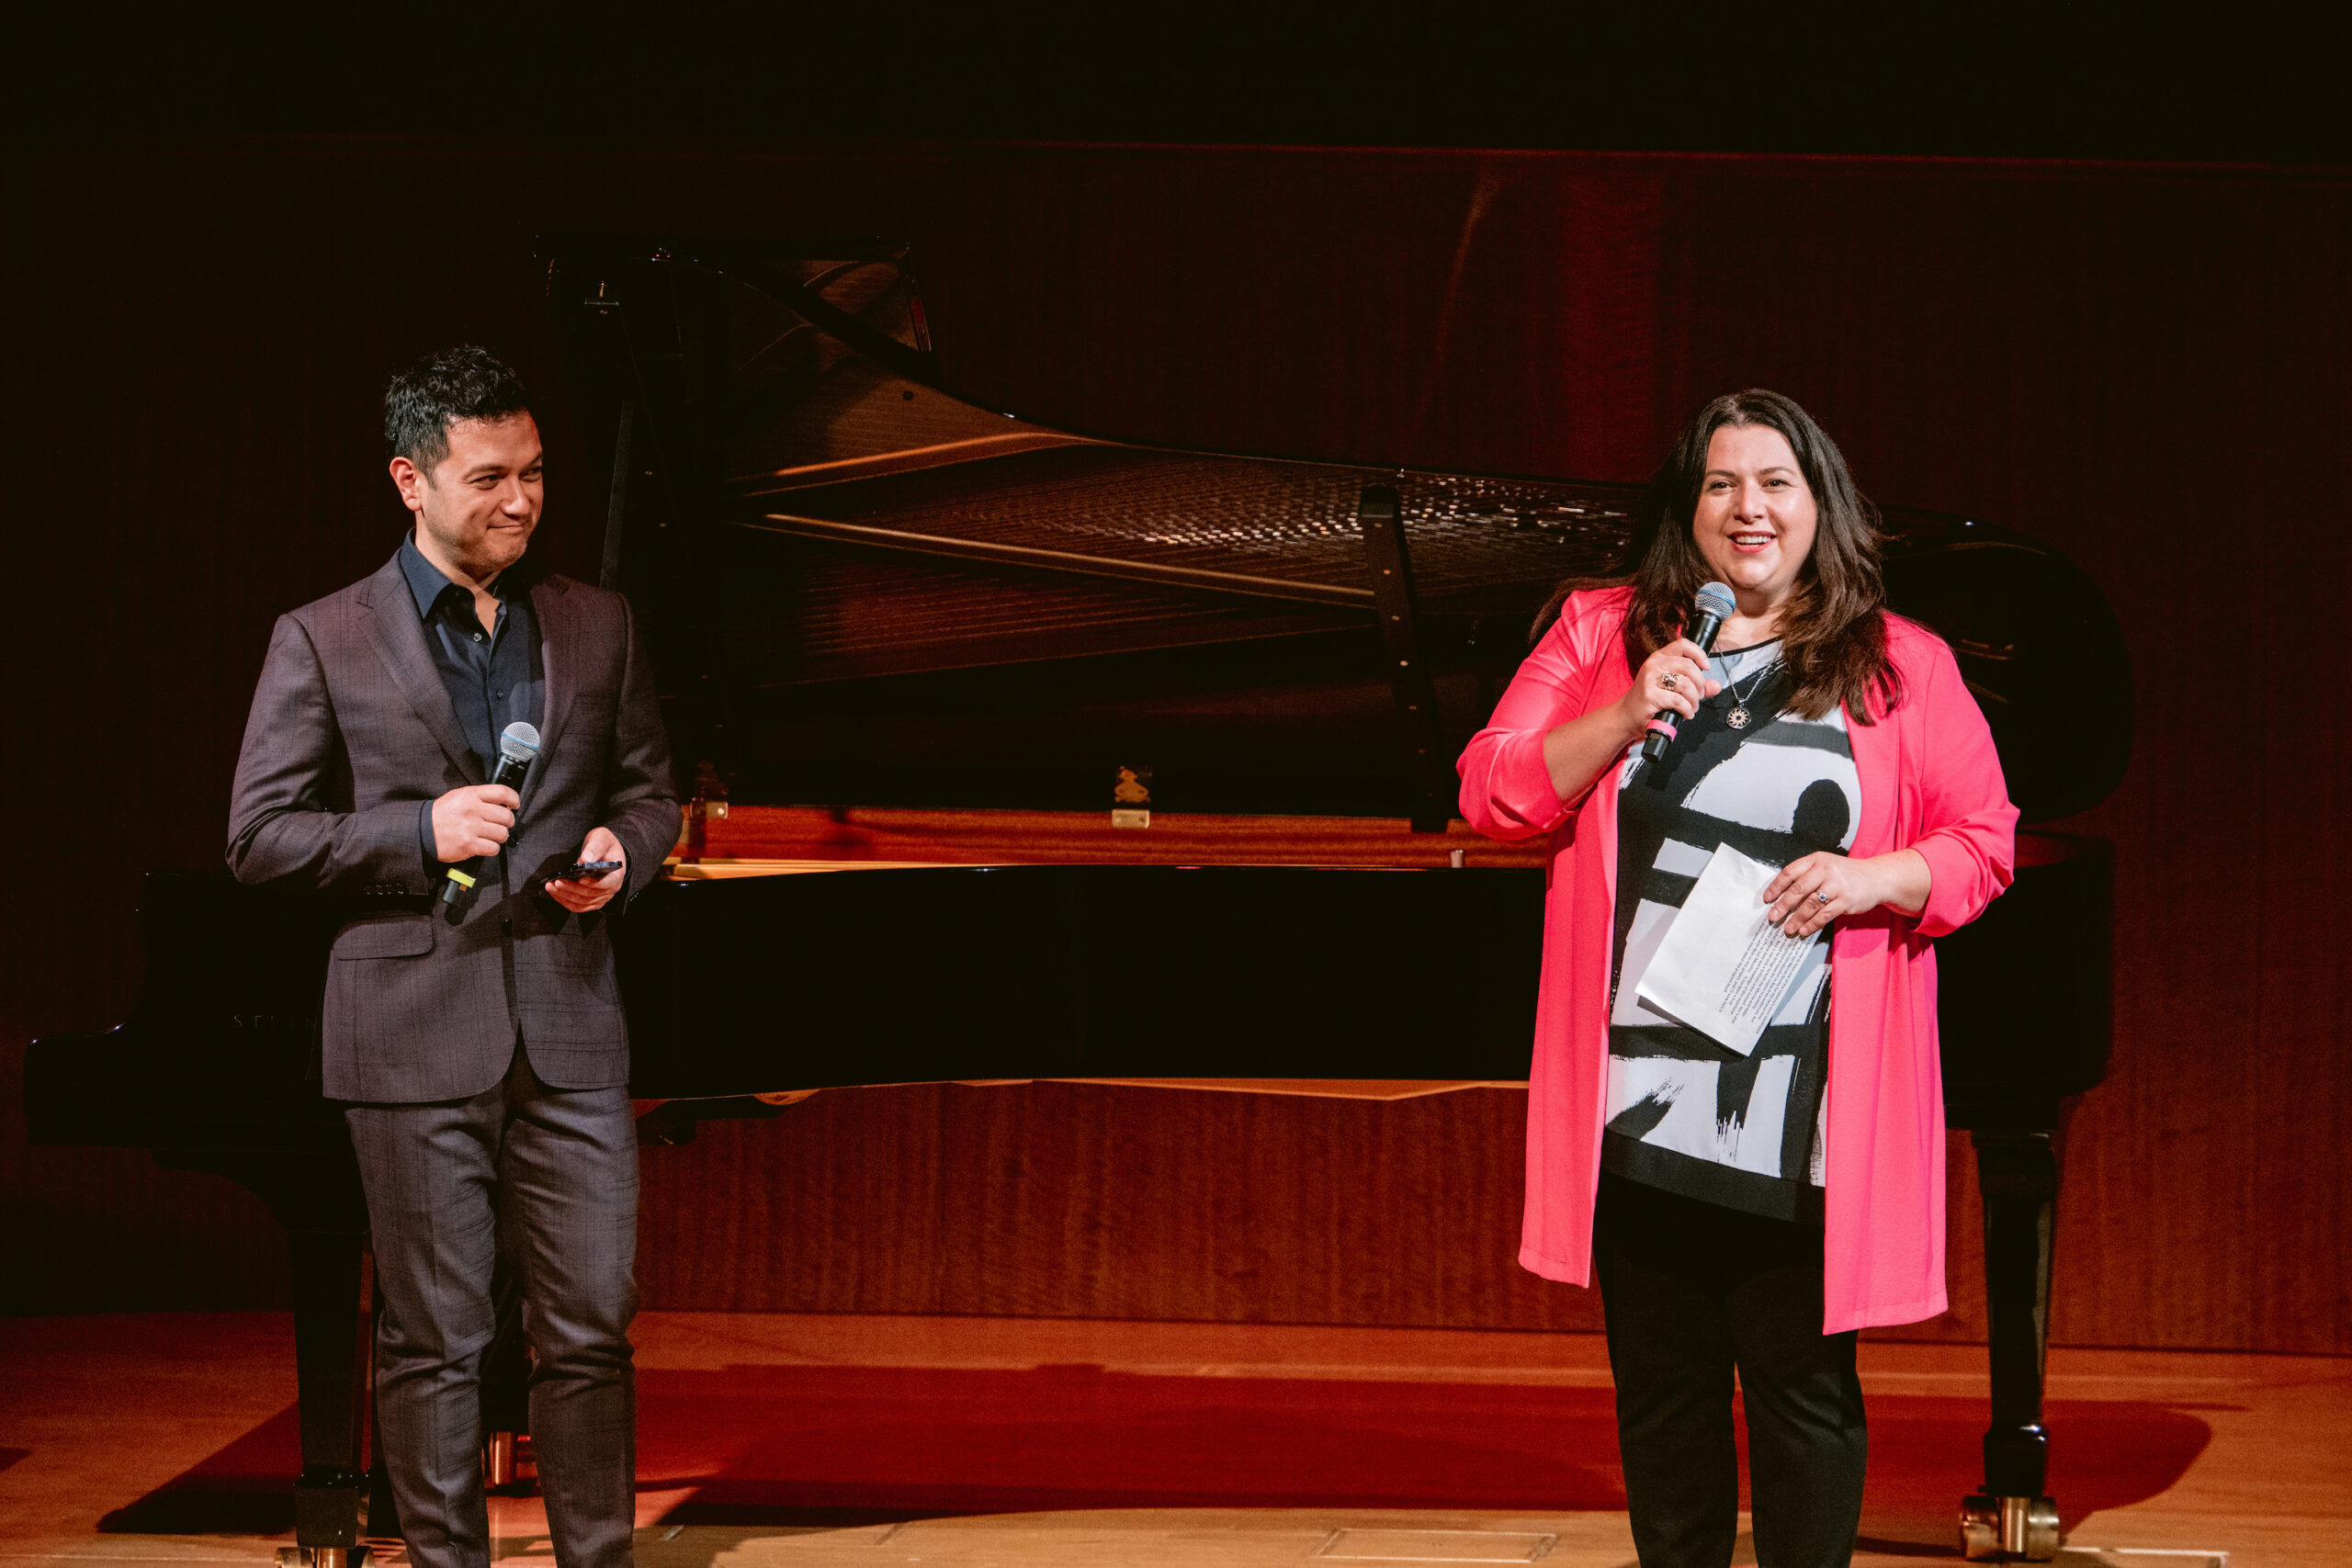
column 506, row 926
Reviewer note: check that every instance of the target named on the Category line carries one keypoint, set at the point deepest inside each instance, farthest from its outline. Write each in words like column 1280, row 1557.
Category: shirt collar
column 426, row 582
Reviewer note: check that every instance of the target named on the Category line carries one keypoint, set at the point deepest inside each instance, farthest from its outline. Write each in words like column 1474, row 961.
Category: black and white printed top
column 1686, row 1114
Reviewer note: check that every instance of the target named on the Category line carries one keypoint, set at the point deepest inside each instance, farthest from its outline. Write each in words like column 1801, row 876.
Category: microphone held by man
column 482, row 815
column 474, row 823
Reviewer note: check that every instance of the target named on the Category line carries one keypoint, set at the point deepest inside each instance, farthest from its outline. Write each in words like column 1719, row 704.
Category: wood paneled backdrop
column 2147, row 367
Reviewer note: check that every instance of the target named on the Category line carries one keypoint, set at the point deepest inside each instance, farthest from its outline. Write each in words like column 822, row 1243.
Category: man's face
column 478, row 505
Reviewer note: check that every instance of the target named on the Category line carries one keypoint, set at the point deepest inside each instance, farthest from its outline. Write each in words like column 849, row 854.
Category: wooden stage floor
column 889, row 1443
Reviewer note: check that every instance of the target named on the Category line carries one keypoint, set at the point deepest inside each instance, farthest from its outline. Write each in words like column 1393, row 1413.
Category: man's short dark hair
column 441, row 389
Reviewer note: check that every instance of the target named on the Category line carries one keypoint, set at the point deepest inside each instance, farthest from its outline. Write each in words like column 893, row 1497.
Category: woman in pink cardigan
column 1748, row 1209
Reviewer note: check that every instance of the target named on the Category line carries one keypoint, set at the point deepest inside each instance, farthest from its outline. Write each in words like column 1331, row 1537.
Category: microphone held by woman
column 1710, row 609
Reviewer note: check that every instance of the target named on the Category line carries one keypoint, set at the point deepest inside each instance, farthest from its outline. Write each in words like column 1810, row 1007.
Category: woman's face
column 1756, row 514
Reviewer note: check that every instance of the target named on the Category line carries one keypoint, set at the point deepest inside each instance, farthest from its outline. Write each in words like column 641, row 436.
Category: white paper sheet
column 1723, row 968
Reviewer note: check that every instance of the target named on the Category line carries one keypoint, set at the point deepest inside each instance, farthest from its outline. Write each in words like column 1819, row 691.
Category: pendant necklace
column 1738, row 715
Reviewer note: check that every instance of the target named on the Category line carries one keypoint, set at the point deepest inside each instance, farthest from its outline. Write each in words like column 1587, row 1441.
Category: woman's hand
column 1816, row 889
column 1674, row 677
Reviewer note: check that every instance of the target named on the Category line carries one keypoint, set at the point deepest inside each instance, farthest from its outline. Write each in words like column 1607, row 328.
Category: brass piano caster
column 2006, row 1529
column 322, row 1556
column 498, row 1462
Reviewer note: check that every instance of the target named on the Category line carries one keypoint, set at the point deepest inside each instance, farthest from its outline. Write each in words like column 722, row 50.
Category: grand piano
column 1160, row 742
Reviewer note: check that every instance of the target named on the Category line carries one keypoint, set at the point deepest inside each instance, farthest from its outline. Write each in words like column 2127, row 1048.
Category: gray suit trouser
column 547, row 1178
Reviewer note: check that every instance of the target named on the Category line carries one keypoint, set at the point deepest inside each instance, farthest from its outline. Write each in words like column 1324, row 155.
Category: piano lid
column 801, row 508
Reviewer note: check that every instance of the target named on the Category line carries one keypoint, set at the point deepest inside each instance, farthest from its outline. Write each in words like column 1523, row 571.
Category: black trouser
column 549, row 1178
column 1692, row 1289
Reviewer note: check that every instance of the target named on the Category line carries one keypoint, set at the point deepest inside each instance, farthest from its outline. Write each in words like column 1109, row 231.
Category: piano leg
column 383, row 1514
column 2013, row 1517
column 317, row 1198
column 331, row 1336
column 506, row 1382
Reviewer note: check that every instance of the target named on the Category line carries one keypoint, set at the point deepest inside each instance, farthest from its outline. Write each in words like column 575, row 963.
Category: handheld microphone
column 1710, row 609
column 517, row 749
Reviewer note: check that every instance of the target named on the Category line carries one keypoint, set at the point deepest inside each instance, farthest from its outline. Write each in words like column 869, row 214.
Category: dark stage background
column 2147, row 367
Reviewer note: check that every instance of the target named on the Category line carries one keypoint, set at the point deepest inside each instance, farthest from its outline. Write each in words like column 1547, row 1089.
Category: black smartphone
column 586, row 870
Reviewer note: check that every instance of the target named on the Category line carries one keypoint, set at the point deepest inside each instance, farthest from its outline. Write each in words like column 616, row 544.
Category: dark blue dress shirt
column 493, row 677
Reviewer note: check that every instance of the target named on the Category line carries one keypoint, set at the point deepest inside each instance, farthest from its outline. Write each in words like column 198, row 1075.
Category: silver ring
column 1821, row 897
column 1667, row 682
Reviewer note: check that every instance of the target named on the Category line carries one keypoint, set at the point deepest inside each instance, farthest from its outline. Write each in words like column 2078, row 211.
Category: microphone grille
column 1716, row 599
column 520, row 743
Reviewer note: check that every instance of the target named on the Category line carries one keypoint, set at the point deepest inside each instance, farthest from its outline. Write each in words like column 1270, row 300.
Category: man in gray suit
column 479, row 1045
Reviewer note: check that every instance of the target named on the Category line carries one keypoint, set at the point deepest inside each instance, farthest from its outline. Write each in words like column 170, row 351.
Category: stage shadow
column 1925, row 1454
column 1885, row 1548
column 776, row 1443
column 839, row 1446
column 246, row 1488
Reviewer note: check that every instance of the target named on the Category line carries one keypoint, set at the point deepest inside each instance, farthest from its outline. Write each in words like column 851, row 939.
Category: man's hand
column 582, row 897
column 473, row 819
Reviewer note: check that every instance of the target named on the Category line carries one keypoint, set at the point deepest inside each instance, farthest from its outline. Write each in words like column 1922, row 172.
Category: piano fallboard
column 876, row 948
column 908, row 974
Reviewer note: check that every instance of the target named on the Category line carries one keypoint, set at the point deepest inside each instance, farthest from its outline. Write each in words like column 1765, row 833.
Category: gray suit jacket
column 351, row 727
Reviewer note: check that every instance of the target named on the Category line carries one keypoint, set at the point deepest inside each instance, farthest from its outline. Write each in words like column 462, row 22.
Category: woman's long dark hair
column 1832, row 631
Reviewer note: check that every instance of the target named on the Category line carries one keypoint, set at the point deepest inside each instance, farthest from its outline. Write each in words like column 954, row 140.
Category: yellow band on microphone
column 460, row 878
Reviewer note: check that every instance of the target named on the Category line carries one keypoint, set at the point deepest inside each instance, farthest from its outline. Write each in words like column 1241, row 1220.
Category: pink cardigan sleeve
column 1968, row 828
column 1506, row 789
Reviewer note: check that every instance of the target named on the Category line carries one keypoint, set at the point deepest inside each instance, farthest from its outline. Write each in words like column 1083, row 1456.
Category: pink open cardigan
column 1931, row 782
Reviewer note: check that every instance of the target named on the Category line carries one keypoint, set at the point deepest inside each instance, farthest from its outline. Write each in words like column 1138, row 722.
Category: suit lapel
column 559, row 665
column 398, row 636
